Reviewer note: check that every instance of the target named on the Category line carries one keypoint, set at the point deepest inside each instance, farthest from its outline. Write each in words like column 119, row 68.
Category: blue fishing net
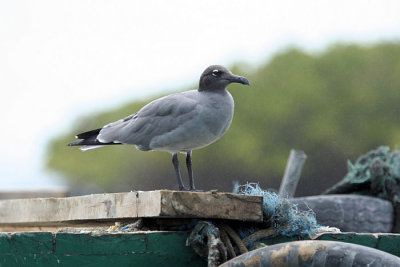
column 280, row 213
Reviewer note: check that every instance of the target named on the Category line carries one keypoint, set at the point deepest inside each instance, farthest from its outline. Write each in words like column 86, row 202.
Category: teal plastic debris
column 372, row 174
column 377, row 173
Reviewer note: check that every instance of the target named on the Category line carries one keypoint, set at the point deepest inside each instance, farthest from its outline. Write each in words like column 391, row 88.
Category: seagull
column 179, row 122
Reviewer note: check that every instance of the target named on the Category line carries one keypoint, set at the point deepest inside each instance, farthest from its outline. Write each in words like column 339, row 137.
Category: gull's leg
column 178, row 173
column 190, row 171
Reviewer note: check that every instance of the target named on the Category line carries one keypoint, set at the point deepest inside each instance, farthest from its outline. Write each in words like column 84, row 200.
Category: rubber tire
column 314, row 253
column 350, row 213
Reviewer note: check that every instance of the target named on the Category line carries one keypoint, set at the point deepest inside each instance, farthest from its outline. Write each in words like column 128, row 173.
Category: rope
column 213, row 249
column 235, row 237
column 259, row 235
column 229, row 247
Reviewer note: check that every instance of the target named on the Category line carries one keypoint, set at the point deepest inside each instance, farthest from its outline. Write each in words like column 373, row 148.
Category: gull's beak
column 238, row 79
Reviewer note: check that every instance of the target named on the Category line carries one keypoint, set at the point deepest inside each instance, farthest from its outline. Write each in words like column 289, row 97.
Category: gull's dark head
column 217, row 77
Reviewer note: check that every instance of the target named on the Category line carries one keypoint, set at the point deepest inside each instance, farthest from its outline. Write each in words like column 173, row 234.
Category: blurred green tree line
column 335, row 105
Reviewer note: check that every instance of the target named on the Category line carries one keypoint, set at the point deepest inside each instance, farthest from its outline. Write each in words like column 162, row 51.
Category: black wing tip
column 75, row 143
column 87, row 138
column 88, row 142
column 88, row 134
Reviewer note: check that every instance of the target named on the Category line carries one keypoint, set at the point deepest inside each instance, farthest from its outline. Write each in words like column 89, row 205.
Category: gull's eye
column 216, row 73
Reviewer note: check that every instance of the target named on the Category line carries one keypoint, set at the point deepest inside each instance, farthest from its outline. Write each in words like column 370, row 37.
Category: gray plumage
column 179, row 122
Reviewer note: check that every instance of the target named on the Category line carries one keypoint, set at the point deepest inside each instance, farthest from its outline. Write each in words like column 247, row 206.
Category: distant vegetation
column 335, row 106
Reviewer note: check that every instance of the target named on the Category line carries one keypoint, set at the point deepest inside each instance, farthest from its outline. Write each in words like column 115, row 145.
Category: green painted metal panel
column 136, row 249
column 107, row 244
column 389, row 243
column 26, row 243
column 367, row 240
column 127, row 249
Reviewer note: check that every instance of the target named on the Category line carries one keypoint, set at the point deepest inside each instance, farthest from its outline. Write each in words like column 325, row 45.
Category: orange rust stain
column 253, row 261
column 279, row 257
column 307, row 249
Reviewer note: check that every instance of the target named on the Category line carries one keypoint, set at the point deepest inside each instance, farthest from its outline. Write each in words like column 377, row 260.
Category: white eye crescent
column 215, row 73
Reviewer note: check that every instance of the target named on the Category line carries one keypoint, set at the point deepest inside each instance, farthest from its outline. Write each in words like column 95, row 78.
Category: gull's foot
column 191, row 190
column 183, row 189
column 196, row 190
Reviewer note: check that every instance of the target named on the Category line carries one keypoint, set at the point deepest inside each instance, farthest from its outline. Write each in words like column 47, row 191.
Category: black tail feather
column 87, row 142
column 90, row 139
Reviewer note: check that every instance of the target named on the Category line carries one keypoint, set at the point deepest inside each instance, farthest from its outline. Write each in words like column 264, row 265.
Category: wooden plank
column 160, row 203
column 55, row 227
column 178, row 204
column 91, row 207
column 32, row 194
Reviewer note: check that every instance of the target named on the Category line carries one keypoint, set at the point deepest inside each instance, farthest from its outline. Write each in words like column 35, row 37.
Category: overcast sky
column 63, row 59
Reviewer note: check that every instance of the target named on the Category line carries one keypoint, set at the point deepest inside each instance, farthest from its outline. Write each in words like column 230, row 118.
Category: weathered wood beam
column 160, row 203
column 32, row 193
